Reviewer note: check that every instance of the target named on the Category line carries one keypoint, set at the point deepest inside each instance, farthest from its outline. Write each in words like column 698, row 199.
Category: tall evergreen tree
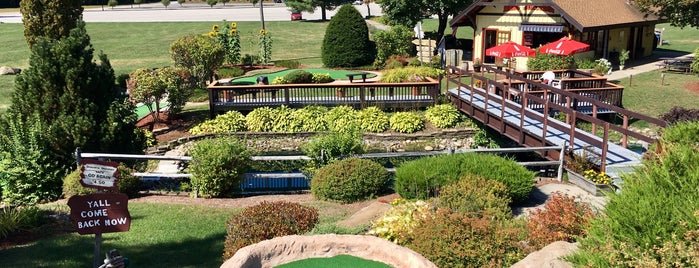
column 51, row 19
column 346, row 42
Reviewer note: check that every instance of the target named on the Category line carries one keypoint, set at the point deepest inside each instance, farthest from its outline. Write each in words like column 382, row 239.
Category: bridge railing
column 548, row 99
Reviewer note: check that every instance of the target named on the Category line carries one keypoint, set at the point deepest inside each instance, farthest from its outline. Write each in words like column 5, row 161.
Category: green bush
column 200, row 55
column 545, row 62
column 396, row 41
column 456, row 240
column 372, row 119
column 230, row 72
column 232, row 121
column 443, row 115
column 126, row 183
column 291, row 64
column 308, row 119
column 218, row 165
column 406, row 122
column 410, row 74
column 346, row 42
column 349, row 180
column 267, row 220
column 279, row 80
column 17, row 218
column 398, row 222
column 342, row 119
column 324, row 148
column 476, row 195
column 283, row 122
column 299, row 77
column 657, row 208
column 421, row 178
column 260, row 120
column 585, row 63
column 248, row 59
column 322, row 78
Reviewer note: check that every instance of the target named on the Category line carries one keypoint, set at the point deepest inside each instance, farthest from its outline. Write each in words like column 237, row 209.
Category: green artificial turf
column 339, row 261
column 335, row 74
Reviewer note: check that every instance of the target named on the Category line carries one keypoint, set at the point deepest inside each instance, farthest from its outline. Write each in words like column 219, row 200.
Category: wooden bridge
column 520, row 106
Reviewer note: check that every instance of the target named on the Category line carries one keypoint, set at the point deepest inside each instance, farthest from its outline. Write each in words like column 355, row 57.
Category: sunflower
column 234, row 25
column 215, row 27
column 233, row 32
column 263, row 32
column 212, row 34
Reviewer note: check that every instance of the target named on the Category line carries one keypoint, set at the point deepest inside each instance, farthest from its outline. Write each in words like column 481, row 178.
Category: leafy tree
column 211, row 3
column 409, row 13
column 201, row 56
column 678, row 13
column 113, row 3
column 224, row 2
column 346, row 42
column 52, row 19
column 297, row 6
column 180, row 2
column 138, row 2
column 62, row 101
column 146, row 87
column 396, row 41
column 165, row 3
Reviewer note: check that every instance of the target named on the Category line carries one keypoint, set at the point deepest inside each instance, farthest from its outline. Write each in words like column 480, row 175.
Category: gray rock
column 4, row 70
column 549, row 256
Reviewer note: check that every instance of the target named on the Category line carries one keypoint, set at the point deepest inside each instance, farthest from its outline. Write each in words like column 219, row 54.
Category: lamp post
column 262, row 16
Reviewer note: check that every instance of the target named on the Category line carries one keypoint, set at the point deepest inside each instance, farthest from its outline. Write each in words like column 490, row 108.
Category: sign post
column 100, row 212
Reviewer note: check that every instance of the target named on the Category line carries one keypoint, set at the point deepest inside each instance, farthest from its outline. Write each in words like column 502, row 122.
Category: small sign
column 98, row 174
column 100, row 213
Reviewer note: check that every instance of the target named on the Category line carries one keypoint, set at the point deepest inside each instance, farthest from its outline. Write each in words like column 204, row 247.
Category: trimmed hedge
column 218, row 165
column 349, row 180
column 346, row 42
column 423, row 177
column 477, row 195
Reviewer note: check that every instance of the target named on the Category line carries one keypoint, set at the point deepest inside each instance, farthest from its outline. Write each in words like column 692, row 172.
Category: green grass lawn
column 685, row 40
column 647, row 96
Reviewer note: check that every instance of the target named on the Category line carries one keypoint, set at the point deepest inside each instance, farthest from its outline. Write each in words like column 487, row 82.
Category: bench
column 352, row 76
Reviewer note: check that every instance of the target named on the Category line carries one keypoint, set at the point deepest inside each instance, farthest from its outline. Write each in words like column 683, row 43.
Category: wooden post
column 662, row 79
column 630, row 79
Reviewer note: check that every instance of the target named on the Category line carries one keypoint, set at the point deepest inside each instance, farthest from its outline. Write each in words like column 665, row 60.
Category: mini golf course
column 339, row 261
column 335, row 74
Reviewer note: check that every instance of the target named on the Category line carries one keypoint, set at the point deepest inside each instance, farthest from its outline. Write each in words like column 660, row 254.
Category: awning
column 541, row 28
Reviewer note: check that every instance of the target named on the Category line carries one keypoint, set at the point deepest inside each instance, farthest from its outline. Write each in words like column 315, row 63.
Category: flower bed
column 596, row 189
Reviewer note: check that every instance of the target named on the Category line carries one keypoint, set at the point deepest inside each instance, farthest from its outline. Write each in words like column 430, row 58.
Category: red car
column 296, row 16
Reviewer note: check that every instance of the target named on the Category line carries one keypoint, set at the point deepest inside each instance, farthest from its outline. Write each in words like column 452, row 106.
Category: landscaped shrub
column 17, row 218
column 586, row 63
column 342, row 119
column 349, row 180
column 398, row 222
column 217, row 166
column 324, row 148
column 260, row 120
column 679, row 114
column 291, row 64
column 230, row 72
column 309, row 119
column 423, row 177
column 248, row 59
column 450, row 239
column 482, row 139
column 655, row 209
column 322, row 78
column 443, row 115
column 231, row 121
column 394, row 62
column 372, row 119
column 547, row 62
column 299, row 77
column 283, row 122
column 279, row 80
column 396, row 41
column 561, row 219
column 476, row 195
column 126, row 183
column 267, row 220
column 409, row 74
column 200, row 55
column 346, row 42
column 406, row 122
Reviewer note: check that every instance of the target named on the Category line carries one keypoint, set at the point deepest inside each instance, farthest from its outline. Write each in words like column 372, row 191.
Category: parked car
column 358, row 2
column 296, row 16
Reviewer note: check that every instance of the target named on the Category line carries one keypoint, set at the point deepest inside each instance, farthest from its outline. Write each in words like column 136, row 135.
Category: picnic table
column 352, row 76
column 676, row 64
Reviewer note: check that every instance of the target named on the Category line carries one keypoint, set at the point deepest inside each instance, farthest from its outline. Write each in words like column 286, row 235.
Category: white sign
column 98, row 174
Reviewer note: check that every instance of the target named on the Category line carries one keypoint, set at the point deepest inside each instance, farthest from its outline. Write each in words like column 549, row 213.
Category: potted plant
column 582, row 172
column 623, row 56
column 477, row 63
column 340, row 92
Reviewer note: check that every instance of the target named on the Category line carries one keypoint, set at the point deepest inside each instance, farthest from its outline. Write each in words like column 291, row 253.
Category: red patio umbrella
column 510, row 49
column 564, row 46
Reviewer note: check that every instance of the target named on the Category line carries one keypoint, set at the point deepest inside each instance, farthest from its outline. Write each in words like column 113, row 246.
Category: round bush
column 372, row 119
column 443, row 115
column 232, row 121
column 406, row 122
column 423, row 177
column 299, row 77
column 200, row 55
column 284, row 122
column 476, row 194
column 324, row 148
column 346, row 42
column 126, row 183
column 260, row 119
column 322, row 78
column 349, row 180
column 309, row 119
column 342, row 119
column 266, row 221
column 218, row 165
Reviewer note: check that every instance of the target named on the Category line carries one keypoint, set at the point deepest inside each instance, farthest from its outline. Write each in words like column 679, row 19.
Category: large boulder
column 285, row 249
column 549, row 256
column 4, row 70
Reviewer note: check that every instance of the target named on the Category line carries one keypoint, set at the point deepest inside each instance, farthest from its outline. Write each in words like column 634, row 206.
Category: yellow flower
column 263, row 32
column 233, row 32
column 212, row 34
column 215, row 27
column 234, row 25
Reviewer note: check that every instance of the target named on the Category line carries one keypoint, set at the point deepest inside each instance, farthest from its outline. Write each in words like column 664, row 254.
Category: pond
column 338, row 261
column 335, row 74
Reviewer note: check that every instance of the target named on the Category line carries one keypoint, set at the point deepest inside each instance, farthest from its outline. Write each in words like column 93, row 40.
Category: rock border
column 285, row 249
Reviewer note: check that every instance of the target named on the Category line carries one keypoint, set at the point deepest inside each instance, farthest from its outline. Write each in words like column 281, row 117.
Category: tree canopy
column 52, row 19
column 409, row 13
column 678, row 13
column 310, row 5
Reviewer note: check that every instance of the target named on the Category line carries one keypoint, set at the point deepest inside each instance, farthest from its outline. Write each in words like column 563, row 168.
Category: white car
column 358, row 2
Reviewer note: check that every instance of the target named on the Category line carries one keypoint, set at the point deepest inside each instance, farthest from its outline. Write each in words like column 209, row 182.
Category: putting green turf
column 335, row 74
column 339, row 261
